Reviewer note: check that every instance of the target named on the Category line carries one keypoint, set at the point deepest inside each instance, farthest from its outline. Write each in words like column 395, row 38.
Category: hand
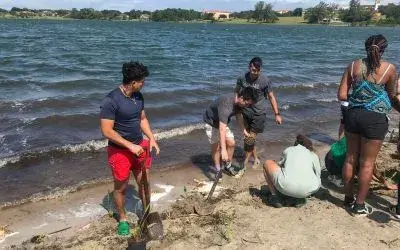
column 278, row 119
column 389, row 185
column 245, row 133
column 136, row 149
column 224, row 155
column 153, row 144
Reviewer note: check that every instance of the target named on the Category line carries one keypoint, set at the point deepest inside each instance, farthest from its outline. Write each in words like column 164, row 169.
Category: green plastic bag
column 338, row 151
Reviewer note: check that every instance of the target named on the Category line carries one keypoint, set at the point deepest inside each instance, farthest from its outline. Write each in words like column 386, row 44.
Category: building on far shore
column 282, row 11
column 144, row 17
column 218, row 14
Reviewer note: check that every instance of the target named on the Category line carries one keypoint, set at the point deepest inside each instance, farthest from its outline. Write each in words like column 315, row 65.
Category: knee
column 367, row 166
column 268, row 165
column 230, row 143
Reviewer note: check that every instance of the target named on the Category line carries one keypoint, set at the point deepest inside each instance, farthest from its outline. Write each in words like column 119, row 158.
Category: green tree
column 269, row 14
column 297, row 12
column 317, row 13
column 63, row 12
column 258, row 11
column 263, row 13
column 356, row 13
column 391, row 11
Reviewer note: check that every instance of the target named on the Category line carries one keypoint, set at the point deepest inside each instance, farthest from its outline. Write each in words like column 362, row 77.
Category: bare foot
column 256, row 164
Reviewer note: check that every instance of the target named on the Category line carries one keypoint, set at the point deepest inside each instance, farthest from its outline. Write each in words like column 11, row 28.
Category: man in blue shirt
column 122, row 122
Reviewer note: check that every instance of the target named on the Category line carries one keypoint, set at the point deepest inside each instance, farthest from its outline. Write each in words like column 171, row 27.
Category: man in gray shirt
column 217, row 116
column 255, row 115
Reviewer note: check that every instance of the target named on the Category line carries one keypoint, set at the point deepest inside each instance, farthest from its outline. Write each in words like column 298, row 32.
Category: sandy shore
column 241, row 219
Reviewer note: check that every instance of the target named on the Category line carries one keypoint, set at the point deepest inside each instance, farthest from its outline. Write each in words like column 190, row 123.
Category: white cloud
column 126, row 5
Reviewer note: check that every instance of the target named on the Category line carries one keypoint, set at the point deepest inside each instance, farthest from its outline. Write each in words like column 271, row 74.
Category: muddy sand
column 243, row 220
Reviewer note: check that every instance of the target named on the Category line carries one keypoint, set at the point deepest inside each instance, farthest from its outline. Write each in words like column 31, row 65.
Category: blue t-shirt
column 126, row 113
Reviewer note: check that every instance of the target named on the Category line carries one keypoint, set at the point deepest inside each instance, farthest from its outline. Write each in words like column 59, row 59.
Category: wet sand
column 241, row 219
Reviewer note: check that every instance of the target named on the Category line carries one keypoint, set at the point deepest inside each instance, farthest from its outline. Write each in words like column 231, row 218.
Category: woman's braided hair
column 375, row 46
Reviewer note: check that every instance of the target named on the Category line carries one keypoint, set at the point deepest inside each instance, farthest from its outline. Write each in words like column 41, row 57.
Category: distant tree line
column 262, row 13
column 90, row 13
column 356, row 13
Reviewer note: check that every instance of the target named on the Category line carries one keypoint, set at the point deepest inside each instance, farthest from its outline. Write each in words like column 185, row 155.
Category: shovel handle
column 217, row 177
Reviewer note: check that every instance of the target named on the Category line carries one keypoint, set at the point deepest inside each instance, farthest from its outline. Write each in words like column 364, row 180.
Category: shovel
column 151, row 222
column 205, row 208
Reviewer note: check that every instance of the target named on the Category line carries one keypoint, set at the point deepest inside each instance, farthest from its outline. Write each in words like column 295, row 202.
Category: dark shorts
column 369, row 124
column 343, row 110
column 254, row 122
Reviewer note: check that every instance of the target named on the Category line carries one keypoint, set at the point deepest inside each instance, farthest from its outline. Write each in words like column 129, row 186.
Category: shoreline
column 79, row 216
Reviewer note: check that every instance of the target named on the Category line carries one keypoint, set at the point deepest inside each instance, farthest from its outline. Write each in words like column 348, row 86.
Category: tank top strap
column 387, row 69
column 363, row 68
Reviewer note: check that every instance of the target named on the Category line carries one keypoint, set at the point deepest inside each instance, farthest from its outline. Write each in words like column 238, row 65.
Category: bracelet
column 277, row 114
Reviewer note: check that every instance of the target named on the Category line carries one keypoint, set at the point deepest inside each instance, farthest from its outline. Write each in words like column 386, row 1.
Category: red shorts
column 122, row 161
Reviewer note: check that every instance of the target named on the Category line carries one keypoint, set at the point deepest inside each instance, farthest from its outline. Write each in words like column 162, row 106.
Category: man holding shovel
column 122, row 122
column 217, row 117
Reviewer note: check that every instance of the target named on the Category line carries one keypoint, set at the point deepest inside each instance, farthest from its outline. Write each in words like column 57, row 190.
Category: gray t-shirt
column 263, row 86
column 222, row 109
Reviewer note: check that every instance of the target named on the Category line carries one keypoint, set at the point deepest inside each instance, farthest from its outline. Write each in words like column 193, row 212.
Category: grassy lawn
column 291, row 20
column 282, row 20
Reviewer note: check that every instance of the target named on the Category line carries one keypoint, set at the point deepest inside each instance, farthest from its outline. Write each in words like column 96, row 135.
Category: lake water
column 54, row 74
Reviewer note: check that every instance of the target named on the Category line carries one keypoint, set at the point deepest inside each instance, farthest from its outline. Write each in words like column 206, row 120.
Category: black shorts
column 254, row 122
column 369, row 124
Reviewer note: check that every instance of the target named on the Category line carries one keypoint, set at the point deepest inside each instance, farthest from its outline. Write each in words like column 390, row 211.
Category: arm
column 281, row 162
column 222, row 141
column 145, row 126
column 345, row 85
column 239, row 118
column 274, row 105
column 390, row 87
column 316, row 165
column 107, row 129
column 380, row 178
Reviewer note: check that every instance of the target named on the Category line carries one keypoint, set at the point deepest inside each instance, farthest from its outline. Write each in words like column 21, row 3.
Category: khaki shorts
column 213, row 134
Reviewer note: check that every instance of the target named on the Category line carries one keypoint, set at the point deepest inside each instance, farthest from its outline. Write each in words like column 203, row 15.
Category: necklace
column 132, row 98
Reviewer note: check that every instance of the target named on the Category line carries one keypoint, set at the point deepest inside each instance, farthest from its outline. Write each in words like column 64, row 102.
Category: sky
column 126, row 5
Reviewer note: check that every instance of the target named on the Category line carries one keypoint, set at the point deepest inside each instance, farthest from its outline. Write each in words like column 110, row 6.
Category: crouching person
column 217, row 116
column 297, row 175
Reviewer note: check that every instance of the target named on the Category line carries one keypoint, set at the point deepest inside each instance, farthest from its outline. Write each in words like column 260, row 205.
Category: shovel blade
column 203, row 208
column 155, row 227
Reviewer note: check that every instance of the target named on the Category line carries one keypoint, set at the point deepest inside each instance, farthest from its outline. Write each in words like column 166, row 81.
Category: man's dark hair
column 375, row 46
column 249, row 93
column 256, row 62
column 133, row 71
column 304, row 141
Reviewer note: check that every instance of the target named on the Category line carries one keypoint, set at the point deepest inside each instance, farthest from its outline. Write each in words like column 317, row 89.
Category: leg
column 350, row 163
column 213, row 137
column 140, row 182
column 368, row 154
column 270, row 167
column 119, row 197
column 256, row 159
column 249, row 143
column 230, row 147
column 215, row 154
column 398, row 194
column 341, row 130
